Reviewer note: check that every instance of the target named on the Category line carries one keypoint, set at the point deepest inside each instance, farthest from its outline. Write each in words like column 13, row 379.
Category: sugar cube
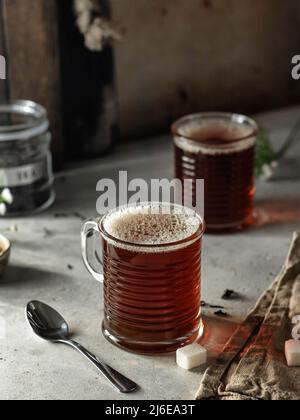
column 191, row 356
column 292, row 353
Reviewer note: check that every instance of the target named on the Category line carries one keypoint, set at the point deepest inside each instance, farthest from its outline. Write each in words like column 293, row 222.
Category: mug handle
column 87, row 232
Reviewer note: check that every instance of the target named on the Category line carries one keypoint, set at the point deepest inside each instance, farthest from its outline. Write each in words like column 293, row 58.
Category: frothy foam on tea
column 216, row 131
column 214, row 137
column 151, row 225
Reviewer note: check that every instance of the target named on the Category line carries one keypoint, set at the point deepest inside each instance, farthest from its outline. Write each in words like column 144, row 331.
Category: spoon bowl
column 46, row 322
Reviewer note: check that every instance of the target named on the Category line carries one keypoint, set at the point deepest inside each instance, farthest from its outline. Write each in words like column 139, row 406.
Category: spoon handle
column 119, row 381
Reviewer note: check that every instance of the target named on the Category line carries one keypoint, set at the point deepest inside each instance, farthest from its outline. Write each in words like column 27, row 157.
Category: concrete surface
column 46, row 264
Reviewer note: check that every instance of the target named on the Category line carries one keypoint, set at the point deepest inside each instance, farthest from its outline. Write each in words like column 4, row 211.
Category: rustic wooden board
column 31, row 31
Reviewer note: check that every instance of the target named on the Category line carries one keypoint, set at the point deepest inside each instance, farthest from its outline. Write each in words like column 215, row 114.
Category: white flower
column 268, row 170
column 82, row 6
column 83, row 22
column 274, row 164
column 6, row 195
column 2, row 209
column 94, row 38
column 96, row 30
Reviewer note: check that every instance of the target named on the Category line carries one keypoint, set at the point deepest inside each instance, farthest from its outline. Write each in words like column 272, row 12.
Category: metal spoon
column 50, row 325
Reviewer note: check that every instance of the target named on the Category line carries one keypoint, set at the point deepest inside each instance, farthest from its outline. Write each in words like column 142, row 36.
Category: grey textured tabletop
column 46, row 265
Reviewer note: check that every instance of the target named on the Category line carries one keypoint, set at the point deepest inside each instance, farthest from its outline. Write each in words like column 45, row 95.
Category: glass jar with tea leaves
column 26, row 177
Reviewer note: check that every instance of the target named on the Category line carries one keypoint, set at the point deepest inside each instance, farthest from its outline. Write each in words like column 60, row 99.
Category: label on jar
column 23, row 175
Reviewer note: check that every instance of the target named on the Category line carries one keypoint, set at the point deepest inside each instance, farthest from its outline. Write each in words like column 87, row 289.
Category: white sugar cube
column 292, row 353
column 191, row 356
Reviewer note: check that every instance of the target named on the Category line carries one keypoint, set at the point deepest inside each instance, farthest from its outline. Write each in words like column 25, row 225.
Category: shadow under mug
column 152, row 293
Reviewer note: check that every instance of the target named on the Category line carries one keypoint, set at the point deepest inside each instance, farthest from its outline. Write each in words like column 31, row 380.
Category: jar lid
column 21, row 120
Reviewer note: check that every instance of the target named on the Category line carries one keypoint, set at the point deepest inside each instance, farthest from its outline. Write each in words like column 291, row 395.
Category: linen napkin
column 252, row 365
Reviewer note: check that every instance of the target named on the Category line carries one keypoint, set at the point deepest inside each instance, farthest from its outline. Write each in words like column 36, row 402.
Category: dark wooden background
column 88, row 90
column 49, row 63
column 176, row 57
column 29, row 40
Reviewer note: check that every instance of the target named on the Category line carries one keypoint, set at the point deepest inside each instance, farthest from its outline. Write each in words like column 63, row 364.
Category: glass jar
column 26, row 176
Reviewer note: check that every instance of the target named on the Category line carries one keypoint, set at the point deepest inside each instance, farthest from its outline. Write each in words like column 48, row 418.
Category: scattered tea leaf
column 47, row 233
column 229, row 294
column 208, row 305
column 221, row 314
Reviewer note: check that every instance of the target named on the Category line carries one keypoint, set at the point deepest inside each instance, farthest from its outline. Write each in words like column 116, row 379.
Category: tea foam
column 214, row 137
column 151, row 225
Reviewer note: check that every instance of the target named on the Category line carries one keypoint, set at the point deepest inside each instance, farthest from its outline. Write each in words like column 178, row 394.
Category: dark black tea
column 152, row 279
column 221, row 150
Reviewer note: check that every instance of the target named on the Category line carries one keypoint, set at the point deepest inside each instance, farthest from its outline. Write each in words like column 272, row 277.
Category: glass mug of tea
column 151, row 258
column 219, row 148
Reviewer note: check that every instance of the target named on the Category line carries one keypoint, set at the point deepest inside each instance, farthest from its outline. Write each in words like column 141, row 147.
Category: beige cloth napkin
column 252, row 365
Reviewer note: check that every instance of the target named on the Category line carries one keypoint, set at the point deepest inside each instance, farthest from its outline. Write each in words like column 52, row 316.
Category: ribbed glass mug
column 219, row 148
column 151, row 275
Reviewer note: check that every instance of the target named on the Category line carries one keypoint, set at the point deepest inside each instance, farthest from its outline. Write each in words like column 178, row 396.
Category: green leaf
column 265, row 154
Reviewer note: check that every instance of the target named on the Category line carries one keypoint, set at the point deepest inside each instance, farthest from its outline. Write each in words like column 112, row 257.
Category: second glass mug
column 151, row 275
column 219, row 148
